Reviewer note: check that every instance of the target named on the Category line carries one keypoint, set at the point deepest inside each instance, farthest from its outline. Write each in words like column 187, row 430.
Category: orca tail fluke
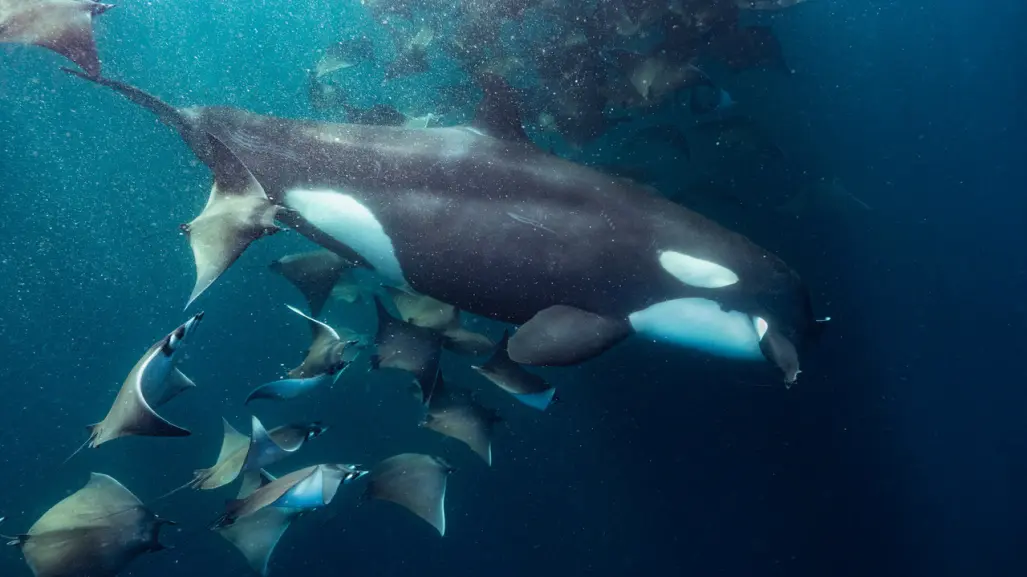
column 238, row 211
column 165, row 112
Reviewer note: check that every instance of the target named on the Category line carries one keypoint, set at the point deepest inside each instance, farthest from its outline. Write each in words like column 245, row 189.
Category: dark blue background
column 902, row 451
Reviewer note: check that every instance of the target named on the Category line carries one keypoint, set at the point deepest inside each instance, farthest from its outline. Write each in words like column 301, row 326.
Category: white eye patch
column 696, row 271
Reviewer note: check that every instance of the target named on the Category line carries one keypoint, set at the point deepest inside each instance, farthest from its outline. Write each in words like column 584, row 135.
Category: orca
column 478, row 217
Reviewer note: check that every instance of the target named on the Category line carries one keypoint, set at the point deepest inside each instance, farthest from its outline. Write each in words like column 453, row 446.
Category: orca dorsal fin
column 498, row 113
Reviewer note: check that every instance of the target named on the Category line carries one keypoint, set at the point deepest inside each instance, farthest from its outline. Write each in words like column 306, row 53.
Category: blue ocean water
column 901, row 451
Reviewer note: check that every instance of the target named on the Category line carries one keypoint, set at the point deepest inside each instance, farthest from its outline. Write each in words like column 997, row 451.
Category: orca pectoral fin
column 238, row 212
column 563, row 335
